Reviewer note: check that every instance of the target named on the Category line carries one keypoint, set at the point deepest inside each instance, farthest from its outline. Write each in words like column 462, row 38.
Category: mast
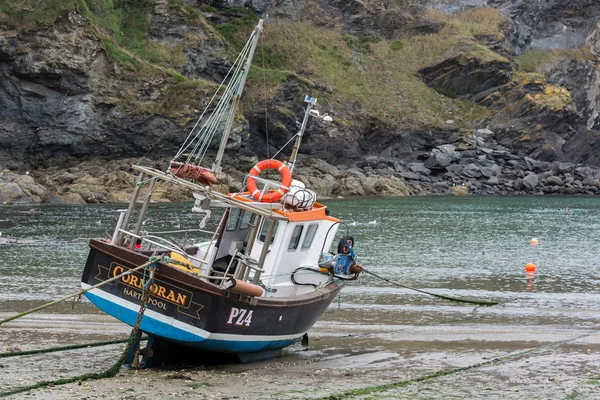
column 217, row 165
column 312, row 101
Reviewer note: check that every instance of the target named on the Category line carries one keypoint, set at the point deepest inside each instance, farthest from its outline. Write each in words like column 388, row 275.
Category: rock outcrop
column 77, row 107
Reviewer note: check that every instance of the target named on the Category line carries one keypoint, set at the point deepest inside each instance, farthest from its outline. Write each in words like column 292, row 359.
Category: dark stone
column 438, row 160
column 463, row 72
column 530, row 182
column 419, row 168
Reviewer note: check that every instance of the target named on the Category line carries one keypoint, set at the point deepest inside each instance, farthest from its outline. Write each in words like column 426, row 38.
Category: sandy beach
column 340, row 357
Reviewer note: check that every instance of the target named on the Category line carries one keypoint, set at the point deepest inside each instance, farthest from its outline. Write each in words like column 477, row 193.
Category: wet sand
column 341, row 356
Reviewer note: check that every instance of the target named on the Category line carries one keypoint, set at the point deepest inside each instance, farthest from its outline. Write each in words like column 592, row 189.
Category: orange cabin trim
column 317, row 212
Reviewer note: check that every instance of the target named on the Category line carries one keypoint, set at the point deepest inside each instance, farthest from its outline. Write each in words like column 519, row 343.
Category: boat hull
column 186, row 310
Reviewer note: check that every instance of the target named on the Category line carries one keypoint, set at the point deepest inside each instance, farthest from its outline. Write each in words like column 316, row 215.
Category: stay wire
column 264, row 90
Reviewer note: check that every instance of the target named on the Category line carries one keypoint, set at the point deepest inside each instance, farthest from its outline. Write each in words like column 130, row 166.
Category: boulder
column 437, row 160
column 450, row 151
column 411, row 175
column 459, row 190
column 553, row 181
column 419, row 168
column 10, row 192
column 530, row 181
column 385, row 186
column 16, row 188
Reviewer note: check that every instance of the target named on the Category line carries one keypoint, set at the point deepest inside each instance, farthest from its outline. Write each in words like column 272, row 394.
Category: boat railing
column 180, row 231
column 165, row 245
column 245, row 264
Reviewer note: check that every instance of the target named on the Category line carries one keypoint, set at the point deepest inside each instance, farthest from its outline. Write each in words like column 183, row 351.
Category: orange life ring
column 272, row 196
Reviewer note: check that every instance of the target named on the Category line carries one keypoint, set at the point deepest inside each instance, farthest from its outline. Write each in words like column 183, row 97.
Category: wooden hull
column 186, row 310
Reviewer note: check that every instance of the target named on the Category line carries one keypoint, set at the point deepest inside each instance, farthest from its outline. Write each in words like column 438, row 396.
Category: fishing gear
column 441, row 296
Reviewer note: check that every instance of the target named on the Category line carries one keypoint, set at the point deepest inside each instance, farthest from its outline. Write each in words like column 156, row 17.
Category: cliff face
column 87, row 87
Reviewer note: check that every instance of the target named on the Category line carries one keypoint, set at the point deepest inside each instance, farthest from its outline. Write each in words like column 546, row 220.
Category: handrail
column 178, row 251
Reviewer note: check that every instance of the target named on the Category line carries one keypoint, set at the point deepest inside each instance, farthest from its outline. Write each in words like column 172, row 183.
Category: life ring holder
column 272, row 196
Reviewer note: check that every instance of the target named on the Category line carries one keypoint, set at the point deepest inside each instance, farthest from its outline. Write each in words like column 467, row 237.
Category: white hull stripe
column 187, row 327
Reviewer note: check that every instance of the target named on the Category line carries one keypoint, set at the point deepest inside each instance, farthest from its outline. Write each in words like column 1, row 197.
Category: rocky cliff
column 429, row 97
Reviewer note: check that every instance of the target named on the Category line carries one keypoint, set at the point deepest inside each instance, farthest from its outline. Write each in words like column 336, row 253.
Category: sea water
column 471, row 247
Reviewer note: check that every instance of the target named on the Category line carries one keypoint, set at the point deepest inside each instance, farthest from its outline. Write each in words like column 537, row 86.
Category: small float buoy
column 534, row 242
column 530, row 267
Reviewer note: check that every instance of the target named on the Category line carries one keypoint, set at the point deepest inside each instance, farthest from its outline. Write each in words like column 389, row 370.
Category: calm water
column 458, row 246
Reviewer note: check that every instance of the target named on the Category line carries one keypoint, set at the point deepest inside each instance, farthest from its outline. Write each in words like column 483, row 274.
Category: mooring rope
column 80, row 292
column 441, row 296
column 116, row 367
column 61, row 348
column 499, row 360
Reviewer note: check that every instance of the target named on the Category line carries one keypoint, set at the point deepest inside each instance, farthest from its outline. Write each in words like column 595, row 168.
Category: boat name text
column 155, row 289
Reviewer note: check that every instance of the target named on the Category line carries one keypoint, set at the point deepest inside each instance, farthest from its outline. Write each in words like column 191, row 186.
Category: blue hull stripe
column 155, row 327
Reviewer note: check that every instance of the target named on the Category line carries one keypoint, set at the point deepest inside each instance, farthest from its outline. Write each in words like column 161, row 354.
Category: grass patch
column 179, row 99
column 533, row 59
column 121, row 57
column 190, row 12
column 396, row 45
column 237, row 30
column 30, row 15
column 378, row 74
column 536, row 60
column 361, row 44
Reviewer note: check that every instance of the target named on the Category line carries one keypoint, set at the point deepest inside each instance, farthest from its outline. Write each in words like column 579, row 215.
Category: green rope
column 441, row 296
column 140, row 183
column 80, row 292
column 389, row 386
column 116, row 367
column 61, row 348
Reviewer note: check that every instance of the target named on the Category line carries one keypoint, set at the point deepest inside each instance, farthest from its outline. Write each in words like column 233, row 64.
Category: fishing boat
column 258, row 282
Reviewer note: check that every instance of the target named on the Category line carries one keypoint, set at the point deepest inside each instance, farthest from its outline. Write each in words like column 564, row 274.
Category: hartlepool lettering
column 157, row 290
column 138, row 296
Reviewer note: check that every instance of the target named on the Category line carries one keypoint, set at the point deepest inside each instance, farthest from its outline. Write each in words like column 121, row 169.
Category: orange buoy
column 530, row 267
column 272, row 196
column 534, row 242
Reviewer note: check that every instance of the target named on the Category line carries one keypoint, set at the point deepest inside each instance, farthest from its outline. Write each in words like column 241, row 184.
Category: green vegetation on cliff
column 379, row 75
column 29, row 15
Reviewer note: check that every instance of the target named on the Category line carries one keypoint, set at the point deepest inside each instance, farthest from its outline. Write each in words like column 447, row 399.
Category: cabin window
column 265, row 228
column 310, row 235
column 234, row 217
column 247, row 219
column 295, row 239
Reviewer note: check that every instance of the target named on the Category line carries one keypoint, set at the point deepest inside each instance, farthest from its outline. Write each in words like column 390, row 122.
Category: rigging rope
column 79, row 293
column 199, row 140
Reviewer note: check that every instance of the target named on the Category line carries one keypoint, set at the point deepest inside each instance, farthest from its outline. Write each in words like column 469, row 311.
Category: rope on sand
column 61, row 348
column 499, row 360
column 113, row 370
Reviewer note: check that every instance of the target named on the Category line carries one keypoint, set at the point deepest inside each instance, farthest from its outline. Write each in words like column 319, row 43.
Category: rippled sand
column 341, row 356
